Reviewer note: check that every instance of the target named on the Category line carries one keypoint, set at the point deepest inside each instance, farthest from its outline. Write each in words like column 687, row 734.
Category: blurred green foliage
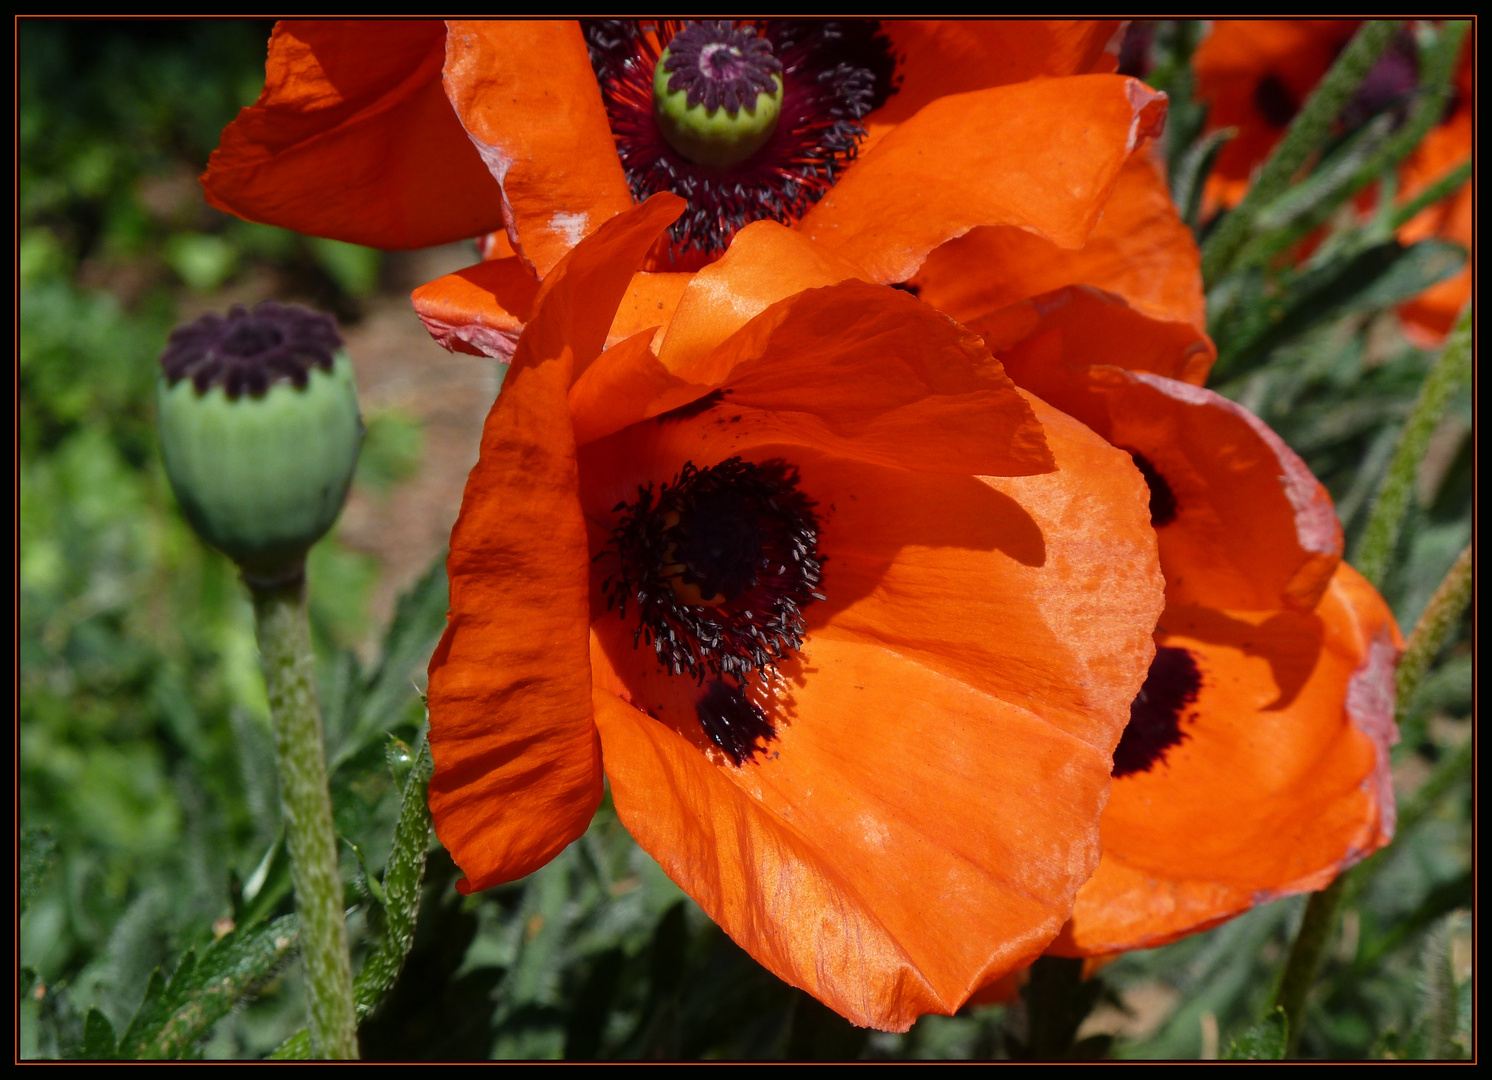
column 151, row 839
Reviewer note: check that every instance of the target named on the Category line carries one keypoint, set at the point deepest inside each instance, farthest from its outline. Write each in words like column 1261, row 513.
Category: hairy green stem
column 1386, row 519
column 1435, row 625
column 1305, row 958
column 1307, row 133
column 280, row 618
column 1430, row 633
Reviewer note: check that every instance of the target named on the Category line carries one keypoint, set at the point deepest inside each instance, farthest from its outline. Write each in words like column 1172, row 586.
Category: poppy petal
column 766, row 262
column 936, row 58
column 527, row 96
column 517, row 763
column 1243, row 524
column 860, row 371
column 479, row 310
column 353, row 138
column 1140, row 250
column 1040, row 155
column 1042, row 341
column 1280, row 782
column 895, row 738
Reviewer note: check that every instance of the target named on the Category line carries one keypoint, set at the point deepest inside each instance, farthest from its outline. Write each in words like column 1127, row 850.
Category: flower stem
column 1305, row 958
column 280, row 620
column 1386, row 519
column 1435, row 625
column 1307, row 133
column 1430, row 633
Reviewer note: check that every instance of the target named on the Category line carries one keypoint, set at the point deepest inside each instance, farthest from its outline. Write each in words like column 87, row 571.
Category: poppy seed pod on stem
column 260, row 431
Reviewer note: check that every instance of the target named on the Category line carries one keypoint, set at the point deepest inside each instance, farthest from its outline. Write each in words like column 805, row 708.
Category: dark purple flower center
column 834, row 73
column 718, row 566
column 1155, row 715
column 249, row 351
column 715, row 64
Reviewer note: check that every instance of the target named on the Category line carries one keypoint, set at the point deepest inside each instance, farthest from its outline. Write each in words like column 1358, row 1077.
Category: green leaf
column 401, row 889
column 295, row 1048
column 400, row 901
column 267, row 886
column 38, row 851
column 202, row 990
column 98, row 1038
column 1265, row 1041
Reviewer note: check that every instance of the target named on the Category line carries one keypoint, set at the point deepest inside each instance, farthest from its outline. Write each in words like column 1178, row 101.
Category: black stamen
column 834, row 73
column 251, row 351
column 1162, row 498
column 733, row 722
column 1155, row 715
column 720, row 565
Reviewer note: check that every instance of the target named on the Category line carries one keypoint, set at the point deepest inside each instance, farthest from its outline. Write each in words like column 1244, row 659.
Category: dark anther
column 716, row 64
column 1275, row 102
column 1162, row 498
column 718, row 566
column 732, row 721
column 834, row 73
column 1155, row 715
column 248, row 351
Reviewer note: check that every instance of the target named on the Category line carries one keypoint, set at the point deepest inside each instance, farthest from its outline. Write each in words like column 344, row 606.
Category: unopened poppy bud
column 260, row 431
column 717, row 93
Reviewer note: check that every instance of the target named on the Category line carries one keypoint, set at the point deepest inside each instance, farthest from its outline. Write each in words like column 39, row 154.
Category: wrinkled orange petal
column 621, row 387
column 517, row 765
column 766, row 262
column 1281, row 782
column 949, row 56
column 868, row 373
column 353, row 138
column 527, row 97
column 913, row 744
column 1040, row 155
column 1252, row 528
column 1140, row 250
column 1044, row 339
column 651, row 300
column 479, row 310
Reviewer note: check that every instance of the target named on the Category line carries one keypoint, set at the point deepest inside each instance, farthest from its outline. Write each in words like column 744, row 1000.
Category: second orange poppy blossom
column 851, row 624
column 1255, row 764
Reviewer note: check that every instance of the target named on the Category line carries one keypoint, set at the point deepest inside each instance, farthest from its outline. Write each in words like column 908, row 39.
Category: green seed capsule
column 260, row 432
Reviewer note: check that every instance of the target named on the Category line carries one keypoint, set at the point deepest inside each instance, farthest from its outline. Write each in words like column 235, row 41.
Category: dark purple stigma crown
column 715, row 63
column 249, row 351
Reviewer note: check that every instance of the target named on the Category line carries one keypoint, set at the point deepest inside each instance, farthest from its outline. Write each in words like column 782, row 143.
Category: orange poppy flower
column 850, row 623
column 1255, row 74
column 892, row 140
column 1255, row 764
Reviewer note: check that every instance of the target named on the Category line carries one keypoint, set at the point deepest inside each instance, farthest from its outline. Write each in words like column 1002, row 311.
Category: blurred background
column 150, row 821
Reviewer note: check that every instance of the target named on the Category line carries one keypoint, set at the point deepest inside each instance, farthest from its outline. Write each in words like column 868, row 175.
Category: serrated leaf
column 38, row 851
column 203, row 989
column 400, row 901
column 401, row 889
column 1265, row 1041
column 98, row 1038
